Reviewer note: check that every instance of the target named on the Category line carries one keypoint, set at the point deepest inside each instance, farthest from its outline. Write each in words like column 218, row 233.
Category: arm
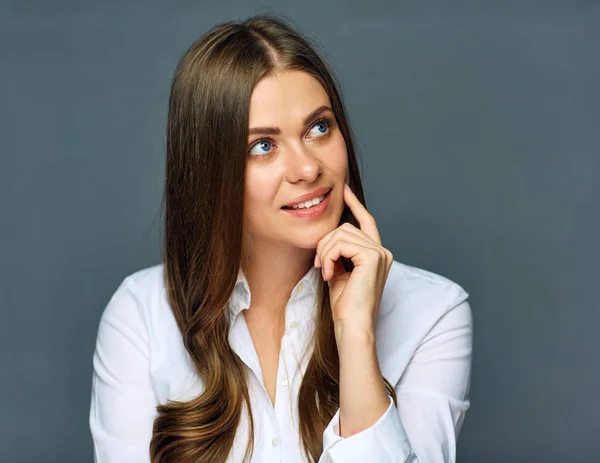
column 432, row 399
column 123, row 404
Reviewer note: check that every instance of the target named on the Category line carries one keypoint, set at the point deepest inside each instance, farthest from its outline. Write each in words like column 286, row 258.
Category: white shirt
column 424, row 345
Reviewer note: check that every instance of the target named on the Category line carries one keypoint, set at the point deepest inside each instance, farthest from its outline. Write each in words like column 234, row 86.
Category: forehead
column 286, row 96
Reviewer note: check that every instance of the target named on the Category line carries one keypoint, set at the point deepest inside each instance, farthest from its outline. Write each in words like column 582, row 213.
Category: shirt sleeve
column 123, row 403
column 433, row 397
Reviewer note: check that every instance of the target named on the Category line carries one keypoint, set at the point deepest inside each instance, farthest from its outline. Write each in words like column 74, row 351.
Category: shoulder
column 148, row 288
column 141, row 297
column 419, row 293
column 132, row 303
column 146, row 284
column 414, row 300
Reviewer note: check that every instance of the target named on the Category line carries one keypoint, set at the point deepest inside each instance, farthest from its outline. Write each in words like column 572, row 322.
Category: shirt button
column 285, row 383
column 293, row 324
column 299, row 287
column 275, row 442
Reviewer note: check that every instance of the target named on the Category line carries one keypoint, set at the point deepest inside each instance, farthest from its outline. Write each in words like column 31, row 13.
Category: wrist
column 354, row 333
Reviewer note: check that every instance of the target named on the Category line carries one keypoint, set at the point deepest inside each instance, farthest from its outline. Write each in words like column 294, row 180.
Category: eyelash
column 328, row 122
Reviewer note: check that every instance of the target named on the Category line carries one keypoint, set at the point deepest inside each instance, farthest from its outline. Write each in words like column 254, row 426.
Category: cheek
column 260, row 192
column 337, row 158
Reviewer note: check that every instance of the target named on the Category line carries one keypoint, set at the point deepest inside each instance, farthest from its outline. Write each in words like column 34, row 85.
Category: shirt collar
column 241, row 298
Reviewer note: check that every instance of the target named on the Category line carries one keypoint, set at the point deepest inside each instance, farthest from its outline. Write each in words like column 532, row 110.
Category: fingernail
column 347, row 187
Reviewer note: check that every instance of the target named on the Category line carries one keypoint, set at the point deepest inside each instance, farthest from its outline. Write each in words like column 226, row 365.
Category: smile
column 310, row 209
column 307, row 204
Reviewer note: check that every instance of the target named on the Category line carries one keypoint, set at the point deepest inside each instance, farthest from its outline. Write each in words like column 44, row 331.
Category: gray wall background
column 479, row 124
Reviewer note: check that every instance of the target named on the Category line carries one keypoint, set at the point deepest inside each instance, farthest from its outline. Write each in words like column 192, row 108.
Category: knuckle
column 340, row 234
column 376, row 253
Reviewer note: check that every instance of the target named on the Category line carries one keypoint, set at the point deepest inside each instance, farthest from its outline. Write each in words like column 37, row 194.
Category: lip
column 311, row 213
column 308, row 196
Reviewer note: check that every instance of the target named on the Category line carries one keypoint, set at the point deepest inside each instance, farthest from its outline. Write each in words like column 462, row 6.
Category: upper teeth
column 312, row 202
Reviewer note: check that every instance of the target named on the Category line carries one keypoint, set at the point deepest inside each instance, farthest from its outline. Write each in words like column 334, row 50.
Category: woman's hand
column 355, row 296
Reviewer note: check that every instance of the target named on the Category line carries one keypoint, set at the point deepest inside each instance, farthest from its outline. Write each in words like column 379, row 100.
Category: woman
column 277, row 329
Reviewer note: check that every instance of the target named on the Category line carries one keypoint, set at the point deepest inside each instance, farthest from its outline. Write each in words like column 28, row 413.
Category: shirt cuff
column 385, row 441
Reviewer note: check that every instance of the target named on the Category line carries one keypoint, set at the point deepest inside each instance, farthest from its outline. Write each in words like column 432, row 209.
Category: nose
column 302, row 165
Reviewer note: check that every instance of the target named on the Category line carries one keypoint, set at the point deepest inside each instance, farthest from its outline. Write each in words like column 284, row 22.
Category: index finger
column 365, row 220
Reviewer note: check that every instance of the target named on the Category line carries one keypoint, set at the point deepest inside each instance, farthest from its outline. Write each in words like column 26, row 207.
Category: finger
column 346, row 235
column 341, row 248
column 347, row 231
column 347, row 226
column 338, row 269
column 321, row 244
column 365, row 220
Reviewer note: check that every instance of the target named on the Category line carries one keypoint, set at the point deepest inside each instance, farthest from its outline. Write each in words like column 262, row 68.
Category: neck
column 273, row 271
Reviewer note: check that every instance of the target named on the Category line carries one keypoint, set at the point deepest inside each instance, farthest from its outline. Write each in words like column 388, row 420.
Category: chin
column 308, row 239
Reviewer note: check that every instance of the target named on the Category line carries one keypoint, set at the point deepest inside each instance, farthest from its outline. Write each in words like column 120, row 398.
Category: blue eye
column 263, row 145
column 321, row 126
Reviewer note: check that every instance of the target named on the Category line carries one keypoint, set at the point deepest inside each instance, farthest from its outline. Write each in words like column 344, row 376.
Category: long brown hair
column 207, row 135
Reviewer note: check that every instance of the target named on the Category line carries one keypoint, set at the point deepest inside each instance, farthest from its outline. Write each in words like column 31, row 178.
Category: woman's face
column 294, row 156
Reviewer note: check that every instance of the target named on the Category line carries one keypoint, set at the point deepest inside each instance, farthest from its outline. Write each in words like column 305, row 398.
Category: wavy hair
column 203, row 242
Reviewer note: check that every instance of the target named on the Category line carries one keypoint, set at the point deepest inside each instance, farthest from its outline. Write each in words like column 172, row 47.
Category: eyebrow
column 277, row 131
